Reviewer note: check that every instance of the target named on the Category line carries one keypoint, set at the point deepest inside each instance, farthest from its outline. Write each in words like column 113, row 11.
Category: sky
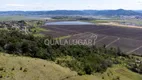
column 38, row 5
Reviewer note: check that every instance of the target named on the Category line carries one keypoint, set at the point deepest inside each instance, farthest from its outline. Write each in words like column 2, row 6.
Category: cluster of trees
column 135, row 65
column 21, row 24
column 16, row 42
column 88, row 60
column 84, row 59
column 137, row 68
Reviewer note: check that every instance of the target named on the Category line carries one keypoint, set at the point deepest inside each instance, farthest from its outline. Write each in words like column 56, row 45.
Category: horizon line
column 70, row 10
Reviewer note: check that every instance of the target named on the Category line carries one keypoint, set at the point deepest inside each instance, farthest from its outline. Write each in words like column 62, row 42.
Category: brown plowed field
column 129, row 40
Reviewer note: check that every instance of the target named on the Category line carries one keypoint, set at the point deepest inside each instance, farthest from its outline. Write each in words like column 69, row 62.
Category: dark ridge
column 118, row 12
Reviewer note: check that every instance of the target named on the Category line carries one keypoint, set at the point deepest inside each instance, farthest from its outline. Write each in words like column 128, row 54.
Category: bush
column 86, row 59
column 1, row 49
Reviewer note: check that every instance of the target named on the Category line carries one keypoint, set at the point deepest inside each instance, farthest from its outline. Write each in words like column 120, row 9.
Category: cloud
column 139, row 2
column 15, row 5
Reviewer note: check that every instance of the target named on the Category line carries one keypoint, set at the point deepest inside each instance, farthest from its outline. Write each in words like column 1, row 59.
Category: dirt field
column 129, row 40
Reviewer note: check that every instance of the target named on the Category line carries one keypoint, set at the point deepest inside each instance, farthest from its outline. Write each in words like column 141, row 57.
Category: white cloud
column 15, row 5
column 70, row 5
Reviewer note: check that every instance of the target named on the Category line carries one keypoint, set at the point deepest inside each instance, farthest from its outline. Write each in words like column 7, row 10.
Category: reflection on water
column 69, row 23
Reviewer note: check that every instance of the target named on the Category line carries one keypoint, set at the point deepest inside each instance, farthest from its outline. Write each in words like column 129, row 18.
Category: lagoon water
column 69, row 23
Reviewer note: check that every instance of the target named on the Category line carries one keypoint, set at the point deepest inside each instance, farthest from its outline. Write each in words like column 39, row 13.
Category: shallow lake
column 69, row 23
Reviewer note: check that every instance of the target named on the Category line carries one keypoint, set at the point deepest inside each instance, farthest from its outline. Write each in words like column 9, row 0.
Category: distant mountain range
column 75, row 12
column 139, row 11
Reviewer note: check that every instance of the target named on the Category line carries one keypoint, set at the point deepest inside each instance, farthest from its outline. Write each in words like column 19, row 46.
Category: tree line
column 80, row 58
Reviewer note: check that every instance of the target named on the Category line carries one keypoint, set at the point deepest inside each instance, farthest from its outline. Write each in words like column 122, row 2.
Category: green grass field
column 25, row 68
column 37, row 31
column 9, row 18
column 16, row 18
column 117, row 72
column 120, row 21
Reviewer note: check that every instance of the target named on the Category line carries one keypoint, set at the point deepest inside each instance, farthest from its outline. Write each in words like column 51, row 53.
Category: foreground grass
column 117, row 72
column 25, row 68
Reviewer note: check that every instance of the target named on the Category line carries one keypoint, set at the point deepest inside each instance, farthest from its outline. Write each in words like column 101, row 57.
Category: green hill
column 25, row 68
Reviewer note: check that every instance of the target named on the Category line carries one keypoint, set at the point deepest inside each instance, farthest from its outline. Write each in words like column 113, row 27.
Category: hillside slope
column 117, row 72
column 24, row 68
